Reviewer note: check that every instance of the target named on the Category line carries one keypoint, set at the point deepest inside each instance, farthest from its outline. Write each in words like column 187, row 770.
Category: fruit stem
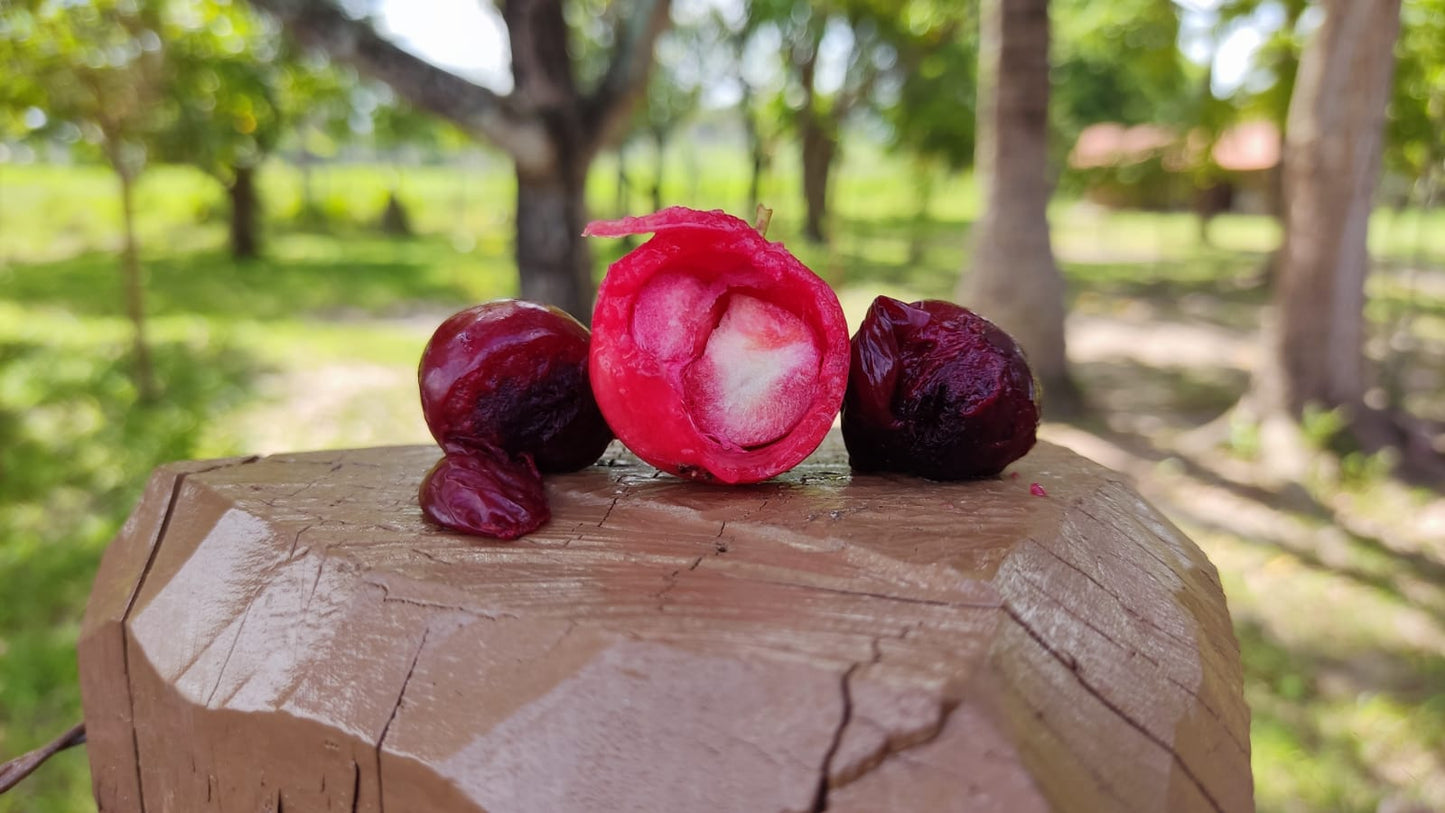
column 764, row 217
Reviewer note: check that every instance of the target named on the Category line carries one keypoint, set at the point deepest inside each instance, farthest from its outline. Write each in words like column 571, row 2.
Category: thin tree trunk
column 245, row 214
column 1015, row 281
column 551, row 213
column 659, row 166
column 756, row 151
column 622, row 202
column 134, row 285
column 819, row 149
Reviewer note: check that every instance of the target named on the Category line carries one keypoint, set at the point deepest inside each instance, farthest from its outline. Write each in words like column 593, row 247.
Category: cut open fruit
column 716, row 354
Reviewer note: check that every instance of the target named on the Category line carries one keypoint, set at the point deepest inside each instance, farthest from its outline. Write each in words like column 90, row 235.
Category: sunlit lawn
column 1343, row 629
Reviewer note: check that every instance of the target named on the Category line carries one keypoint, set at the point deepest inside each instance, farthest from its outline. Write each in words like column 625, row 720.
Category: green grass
column 1341, row 632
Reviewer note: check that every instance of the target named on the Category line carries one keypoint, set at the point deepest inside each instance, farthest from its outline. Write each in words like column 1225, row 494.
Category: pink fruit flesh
column 752, row 382
column 716, row 355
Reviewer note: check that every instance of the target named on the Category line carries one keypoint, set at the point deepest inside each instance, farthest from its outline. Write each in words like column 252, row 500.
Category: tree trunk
column 756, row 150
column 819, row 148
column 555, row 261
column 245, row 214
column 659, row 166
column 1315, row 340
column 1333, row 148
column 1015, row 281
column 145, row 379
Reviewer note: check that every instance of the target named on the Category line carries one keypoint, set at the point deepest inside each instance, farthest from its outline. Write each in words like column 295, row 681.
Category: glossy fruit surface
column 937, row 391
column 716, row 355
column 485, row 492
column 512, row 375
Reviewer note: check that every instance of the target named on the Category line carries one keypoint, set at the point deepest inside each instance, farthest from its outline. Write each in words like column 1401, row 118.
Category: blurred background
column 230, row 228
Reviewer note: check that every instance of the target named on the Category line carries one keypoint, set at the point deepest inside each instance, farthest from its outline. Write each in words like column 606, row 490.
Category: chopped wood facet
column 286, row 633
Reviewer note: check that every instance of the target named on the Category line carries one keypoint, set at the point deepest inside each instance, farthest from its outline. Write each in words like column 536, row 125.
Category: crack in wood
column 1149, row 622
column 1211, row 575
column 606, row 516
column 125, row 641
column 395, row 709
column 927, row 602
column 296, row 540
column 820, row 796
column 388, row 598
column 240, row 630
column 1159, row 666
column 355, row 786
column 1070, row 663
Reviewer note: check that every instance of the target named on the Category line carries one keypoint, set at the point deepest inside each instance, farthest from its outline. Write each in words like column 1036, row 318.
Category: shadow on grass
column 368, row 274
column 1124, row 387
column 1312, row 709
column 75, row 451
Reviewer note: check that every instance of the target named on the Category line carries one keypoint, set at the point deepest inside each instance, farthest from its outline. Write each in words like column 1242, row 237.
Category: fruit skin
column 638, row 380
column 485, row 492
column 513, row 375
column 937, row 391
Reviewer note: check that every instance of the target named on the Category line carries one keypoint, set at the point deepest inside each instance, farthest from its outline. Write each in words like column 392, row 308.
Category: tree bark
column 820, row 147
column 1015, row 281
column 245, row 214
column 1315, row 341
column 551, row 213
column 134, row 285
column 1333, row 147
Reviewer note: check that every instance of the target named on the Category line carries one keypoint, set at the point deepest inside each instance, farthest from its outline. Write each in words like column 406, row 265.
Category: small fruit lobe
column 485, row 492
column 1037, row 490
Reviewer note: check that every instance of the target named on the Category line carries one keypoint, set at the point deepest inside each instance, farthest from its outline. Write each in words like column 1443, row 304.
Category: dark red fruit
column 937, row 391
column 512, row 375
column 485, row 492
column 716, row 355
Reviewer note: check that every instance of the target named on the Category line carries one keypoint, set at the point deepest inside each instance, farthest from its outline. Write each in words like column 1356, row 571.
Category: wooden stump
column 286, row 633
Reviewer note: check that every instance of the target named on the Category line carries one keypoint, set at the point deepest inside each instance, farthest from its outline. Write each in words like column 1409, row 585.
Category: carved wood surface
column 286, row 633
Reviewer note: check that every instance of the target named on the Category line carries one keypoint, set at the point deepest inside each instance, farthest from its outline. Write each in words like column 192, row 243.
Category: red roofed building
column 1150, row 166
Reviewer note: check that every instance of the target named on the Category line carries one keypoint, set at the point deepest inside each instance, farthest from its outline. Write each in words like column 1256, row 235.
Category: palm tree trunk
column 1333, row 149
column 1015, row 281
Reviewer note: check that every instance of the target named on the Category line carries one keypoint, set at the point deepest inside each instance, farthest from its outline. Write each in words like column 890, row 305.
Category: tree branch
column 606, row 110
column 475, row 109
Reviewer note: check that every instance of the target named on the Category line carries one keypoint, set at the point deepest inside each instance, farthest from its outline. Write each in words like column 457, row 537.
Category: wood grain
column 288, row 634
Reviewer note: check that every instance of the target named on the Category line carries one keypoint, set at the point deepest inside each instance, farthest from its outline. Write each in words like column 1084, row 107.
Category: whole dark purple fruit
column 485, row 492
column 512, row 375
column 937, row 391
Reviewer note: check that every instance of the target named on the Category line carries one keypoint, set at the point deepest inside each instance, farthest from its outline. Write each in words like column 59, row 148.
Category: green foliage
column 1415, row 131
column 221, row 108
column 75, row 447
column 936, row 110
column 94, row 69
column 1090, row 81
